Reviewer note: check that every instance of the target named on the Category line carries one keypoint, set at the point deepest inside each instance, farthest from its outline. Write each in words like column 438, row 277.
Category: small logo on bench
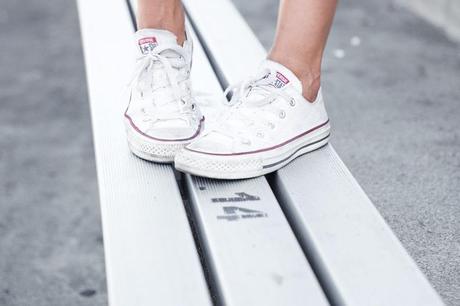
column 234, row 213
column 241, row 197
column 147, row 44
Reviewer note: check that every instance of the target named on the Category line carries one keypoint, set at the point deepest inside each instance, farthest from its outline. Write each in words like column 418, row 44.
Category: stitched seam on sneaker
column 264, row 149
column 166, row 140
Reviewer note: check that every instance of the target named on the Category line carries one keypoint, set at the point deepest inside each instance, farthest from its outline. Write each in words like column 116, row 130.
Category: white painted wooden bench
column 307, row 236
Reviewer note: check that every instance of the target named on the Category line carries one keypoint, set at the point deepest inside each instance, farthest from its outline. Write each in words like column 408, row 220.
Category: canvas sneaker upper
column 161, row 105
column 267, row 112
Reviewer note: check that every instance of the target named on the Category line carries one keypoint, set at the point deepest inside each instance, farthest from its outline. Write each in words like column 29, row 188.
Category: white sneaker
column 162, row 116
column 269, row 125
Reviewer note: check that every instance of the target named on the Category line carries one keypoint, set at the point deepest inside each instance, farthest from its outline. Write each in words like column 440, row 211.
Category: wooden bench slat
column 357, row 257
column 150, row 253
column 250, row 248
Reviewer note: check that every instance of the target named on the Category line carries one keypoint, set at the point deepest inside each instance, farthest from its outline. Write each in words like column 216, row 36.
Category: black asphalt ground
column 393, row 101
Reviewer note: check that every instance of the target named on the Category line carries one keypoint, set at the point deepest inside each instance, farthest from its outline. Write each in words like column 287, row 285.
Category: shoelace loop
column 239, row 123
column 175, row 69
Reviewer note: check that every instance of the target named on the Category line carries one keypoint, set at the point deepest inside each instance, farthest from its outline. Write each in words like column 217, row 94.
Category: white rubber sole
column 152, row 150
column 249, row 165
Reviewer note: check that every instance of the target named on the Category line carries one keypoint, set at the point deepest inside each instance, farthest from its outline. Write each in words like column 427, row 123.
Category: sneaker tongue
column 279, row 76
column 148, row 39
column 276, row 75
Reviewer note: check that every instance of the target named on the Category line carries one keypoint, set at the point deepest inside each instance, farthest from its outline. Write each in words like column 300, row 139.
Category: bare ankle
column 164, row 16
column 310, row 86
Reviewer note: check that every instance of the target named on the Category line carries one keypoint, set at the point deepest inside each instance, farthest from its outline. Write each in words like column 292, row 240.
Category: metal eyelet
column 292, row 102
column 282, row 114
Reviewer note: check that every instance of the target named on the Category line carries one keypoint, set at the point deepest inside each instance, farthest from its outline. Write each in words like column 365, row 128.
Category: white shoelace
column 249, row 116
column 170, row 59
